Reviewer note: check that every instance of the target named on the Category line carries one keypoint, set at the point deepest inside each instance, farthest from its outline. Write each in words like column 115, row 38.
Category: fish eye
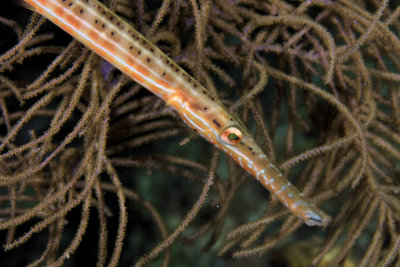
column 231, row 135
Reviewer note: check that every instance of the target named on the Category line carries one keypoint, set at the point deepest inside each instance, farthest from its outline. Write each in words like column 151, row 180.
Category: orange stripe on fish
column 116, row 41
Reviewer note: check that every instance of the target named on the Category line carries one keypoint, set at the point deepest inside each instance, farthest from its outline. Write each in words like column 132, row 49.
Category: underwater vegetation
column 95, row 168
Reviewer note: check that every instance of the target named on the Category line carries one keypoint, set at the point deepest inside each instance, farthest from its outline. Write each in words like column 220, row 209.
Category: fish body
column 119, row 43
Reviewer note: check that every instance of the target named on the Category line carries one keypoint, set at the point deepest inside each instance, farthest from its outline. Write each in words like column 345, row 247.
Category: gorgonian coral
column 81, row 145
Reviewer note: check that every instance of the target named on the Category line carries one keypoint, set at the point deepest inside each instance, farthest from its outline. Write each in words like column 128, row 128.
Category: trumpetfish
column 104, row 32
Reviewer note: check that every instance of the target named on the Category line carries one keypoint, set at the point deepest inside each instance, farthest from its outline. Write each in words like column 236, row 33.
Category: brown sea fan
column 316, row 81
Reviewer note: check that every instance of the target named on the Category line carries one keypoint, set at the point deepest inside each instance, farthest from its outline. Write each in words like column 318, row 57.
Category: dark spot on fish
column 216, row 123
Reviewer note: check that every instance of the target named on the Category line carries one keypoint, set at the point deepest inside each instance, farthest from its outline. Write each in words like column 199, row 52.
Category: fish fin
column 25, row 4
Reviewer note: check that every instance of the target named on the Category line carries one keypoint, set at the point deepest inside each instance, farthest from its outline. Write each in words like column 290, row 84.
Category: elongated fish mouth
column 250, row 157
column 316, row 217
